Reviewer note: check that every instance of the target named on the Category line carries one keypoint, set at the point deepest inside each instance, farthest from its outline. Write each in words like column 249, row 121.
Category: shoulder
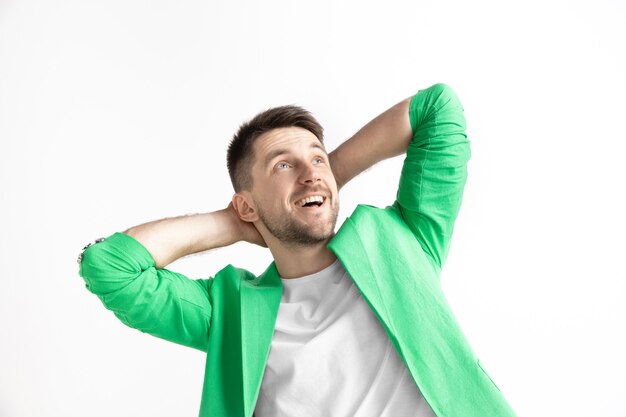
column 373, row 234
column 230, row 272
column 234, row 277
column 365, row 214
column 370, row 223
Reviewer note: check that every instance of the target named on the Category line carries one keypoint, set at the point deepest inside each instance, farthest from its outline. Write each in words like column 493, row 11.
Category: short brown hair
column 240, row 155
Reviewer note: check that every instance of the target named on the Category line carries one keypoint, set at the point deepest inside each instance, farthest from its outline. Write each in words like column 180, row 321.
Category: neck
column 298, row 261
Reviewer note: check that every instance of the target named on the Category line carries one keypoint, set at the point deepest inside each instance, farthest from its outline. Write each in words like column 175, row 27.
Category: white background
column 119, row 112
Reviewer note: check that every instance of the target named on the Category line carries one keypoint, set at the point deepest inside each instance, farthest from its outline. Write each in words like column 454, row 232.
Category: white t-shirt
column 330, row 356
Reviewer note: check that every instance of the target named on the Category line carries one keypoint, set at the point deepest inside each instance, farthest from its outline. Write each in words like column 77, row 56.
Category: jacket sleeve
column 435, row 169
column 165, row 304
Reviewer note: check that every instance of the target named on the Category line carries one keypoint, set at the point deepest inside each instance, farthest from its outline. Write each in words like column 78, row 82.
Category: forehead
column 285, row 140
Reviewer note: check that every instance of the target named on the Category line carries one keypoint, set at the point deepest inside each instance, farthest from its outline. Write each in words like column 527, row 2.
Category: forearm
column 386, row 136
column 172, row 238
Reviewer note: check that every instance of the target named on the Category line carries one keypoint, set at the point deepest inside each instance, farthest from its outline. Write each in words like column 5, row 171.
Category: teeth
column 314, row 198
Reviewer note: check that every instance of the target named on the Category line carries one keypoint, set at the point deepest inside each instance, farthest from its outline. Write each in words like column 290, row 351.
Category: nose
column 309, row 175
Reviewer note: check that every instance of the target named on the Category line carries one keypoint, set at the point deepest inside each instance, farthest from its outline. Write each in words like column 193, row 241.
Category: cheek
column 276, row 199
column 332, row 184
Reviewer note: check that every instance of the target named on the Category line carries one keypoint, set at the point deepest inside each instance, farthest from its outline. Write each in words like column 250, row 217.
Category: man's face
column 294, row 189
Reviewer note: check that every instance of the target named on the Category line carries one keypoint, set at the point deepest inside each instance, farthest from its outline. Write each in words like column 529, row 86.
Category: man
column 353, row 323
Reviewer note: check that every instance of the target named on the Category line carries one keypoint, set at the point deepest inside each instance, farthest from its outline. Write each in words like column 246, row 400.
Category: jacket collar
column 348, row 247
column 260, row 299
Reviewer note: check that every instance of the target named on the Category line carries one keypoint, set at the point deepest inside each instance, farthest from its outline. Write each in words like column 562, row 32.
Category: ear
column 244, row 207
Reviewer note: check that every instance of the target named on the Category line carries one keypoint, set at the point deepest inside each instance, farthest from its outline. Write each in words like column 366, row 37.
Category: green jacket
column 394, row 256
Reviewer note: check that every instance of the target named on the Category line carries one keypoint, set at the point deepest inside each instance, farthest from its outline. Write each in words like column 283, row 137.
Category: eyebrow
column 278, row 152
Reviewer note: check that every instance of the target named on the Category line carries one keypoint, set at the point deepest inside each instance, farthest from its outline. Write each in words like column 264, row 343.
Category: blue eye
column 318, row 161
column 282, row 165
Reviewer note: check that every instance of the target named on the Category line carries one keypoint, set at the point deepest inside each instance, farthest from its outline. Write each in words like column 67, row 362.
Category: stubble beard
column 290, row 231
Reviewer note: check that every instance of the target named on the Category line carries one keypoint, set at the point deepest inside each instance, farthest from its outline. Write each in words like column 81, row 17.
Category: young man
column 347, row 324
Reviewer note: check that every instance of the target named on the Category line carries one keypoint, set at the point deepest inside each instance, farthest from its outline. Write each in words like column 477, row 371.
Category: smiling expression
column 294, row 190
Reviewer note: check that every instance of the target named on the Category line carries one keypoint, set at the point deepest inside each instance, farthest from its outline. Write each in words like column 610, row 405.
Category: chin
column 326, row 233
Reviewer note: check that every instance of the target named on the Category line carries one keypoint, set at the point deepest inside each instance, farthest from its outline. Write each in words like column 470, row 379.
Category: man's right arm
column 126, row 272
column 170, row 239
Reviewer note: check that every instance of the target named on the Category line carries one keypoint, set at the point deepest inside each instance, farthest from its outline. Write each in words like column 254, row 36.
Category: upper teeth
column 315, row 198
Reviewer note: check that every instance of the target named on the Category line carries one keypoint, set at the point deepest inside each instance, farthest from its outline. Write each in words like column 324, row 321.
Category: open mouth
column 311, row 201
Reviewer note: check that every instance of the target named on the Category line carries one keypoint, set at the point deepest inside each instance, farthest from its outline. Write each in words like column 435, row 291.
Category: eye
column 317, row 161
column 282, row 165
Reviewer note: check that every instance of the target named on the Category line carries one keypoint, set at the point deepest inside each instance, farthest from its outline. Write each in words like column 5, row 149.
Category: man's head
column 240, row 155
column 282, row 177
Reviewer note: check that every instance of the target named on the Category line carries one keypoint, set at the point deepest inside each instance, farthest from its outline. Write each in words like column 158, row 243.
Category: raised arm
column 126, row 272
column 172, row 238
column 430, row 128
column 386, row 136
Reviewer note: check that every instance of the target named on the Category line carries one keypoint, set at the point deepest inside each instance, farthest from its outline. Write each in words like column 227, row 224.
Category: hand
column 247, row 230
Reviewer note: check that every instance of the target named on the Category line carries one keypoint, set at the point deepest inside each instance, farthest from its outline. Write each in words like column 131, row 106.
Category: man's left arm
column 386, row 136
column 430, row 128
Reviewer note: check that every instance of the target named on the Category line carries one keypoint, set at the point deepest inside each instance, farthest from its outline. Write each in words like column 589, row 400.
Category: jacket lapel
column 348, row 246
column 260, row 299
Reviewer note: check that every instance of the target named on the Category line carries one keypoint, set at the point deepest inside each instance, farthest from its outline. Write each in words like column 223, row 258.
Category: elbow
column 112, row 263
